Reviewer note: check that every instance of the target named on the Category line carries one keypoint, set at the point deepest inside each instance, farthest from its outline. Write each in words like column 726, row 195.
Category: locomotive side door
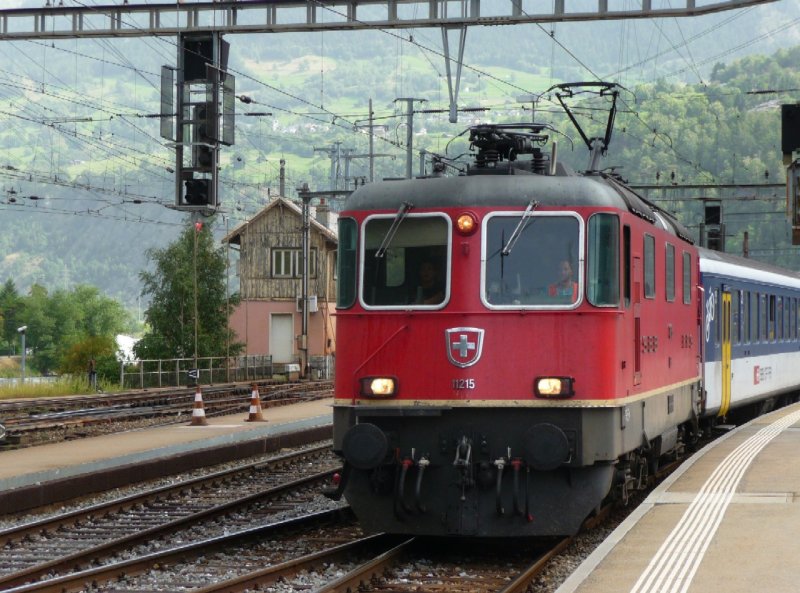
column 725, row 352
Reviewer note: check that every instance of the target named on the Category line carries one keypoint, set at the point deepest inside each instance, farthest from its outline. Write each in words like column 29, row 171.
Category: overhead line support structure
column 284, row 16
column 280, row 16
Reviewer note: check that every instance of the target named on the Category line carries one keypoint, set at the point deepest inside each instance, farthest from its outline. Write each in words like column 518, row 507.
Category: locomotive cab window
column 405, row 261
column 346, row 263
column 532, row 260
column 603, row 260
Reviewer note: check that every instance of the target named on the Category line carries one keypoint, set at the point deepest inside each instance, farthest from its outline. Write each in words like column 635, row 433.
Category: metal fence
column 174, row 372
column 321, row 367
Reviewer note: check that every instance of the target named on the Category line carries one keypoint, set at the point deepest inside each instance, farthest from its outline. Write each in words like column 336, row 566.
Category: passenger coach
column 751, row 321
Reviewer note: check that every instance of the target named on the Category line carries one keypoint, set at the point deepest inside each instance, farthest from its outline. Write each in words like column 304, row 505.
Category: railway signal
column 203, row 110
column 790, row 143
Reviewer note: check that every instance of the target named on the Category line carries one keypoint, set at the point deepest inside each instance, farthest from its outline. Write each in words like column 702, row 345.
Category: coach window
column 735, row 338
column 405, row 261
column 762, row 317
column 754, row 317
column 346, row 263
column 532, row 260
column 687, row 278
column 670, row 273
column 786, row 310
column 771, row 317
column 746, row 316
column 603, row 257
column 649, row 266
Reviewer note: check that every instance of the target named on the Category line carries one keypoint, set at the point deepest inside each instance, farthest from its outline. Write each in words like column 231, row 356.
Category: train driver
column 565, row 286
column 429, row 291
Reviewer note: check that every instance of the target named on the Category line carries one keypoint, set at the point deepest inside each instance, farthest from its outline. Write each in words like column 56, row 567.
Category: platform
column 726, row 520
column 103, row 462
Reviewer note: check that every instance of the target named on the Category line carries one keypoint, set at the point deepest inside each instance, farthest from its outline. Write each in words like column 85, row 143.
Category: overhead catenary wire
column 345, row 127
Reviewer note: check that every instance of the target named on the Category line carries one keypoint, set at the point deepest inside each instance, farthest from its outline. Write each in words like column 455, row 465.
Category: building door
column 281, row 337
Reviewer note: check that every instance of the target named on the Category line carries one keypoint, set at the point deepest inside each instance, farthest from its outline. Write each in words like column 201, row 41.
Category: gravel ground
column 7, row 521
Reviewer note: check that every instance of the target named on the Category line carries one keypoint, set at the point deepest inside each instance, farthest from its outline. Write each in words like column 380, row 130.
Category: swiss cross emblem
column 464, row 345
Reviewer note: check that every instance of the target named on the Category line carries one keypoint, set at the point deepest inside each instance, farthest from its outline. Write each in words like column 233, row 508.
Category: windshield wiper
column 523, row 222
column 402, row 212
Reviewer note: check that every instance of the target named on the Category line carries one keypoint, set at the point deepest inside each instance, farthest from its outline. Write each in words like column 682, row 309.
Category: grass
column 64, row 386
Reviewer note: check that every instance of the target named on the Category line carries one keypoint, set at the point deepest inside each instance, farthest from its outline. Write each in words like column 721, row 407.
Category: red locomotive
column 517, row 340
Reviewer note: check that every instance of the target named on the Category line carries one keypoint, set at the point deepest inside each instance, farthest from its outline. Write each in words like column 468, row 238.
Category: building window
column 288, row 263
column 282, row 263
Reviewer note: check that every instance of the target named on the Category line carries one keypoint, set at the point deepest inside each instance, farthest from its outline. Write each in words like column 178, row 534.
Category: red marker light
column 337, row 477
column 198, row 226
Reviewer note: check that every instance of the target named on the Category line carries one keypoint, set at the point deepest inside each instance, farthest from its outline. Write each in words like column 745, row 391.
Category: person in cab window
column 429, row 291
column 565, row 287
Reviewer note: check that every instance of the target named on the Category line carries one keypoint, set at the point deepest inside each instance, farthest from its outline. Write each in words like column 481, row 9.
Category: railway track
column 208, row 506
column 30, row 421
column 323, row 551
column 422, row 566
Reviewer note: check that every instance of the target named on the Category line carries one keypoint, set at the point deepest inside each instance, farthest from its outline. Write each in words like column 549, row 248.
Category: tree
column 56, row 322
column 10, row 305
column 101, row 349
column 171, row 315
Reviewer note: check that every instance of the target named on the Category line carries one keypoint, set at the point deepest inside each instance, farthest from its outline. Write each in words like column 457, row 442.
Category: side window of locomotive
column 670, row 273
column 603, row 260
column 627, row 262
column 649, row 266
column 687, row 278
column 346, row 263
column 533, row 261
column 406, row 264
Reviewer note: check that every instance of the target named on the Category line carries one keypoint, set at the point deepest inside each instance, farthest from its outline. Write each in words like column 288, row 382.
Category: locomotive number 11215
column 462, row 383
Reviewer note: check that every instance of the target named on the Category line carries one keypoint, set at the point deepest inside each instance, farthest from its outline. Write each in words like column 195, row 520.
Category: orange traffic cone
column 198, row 412
column 255, row 407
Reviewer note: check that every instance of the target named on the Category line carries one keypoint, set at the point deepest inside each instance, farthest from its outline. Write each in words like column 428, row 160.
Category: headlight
column 378, row 386
column 554, row 386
